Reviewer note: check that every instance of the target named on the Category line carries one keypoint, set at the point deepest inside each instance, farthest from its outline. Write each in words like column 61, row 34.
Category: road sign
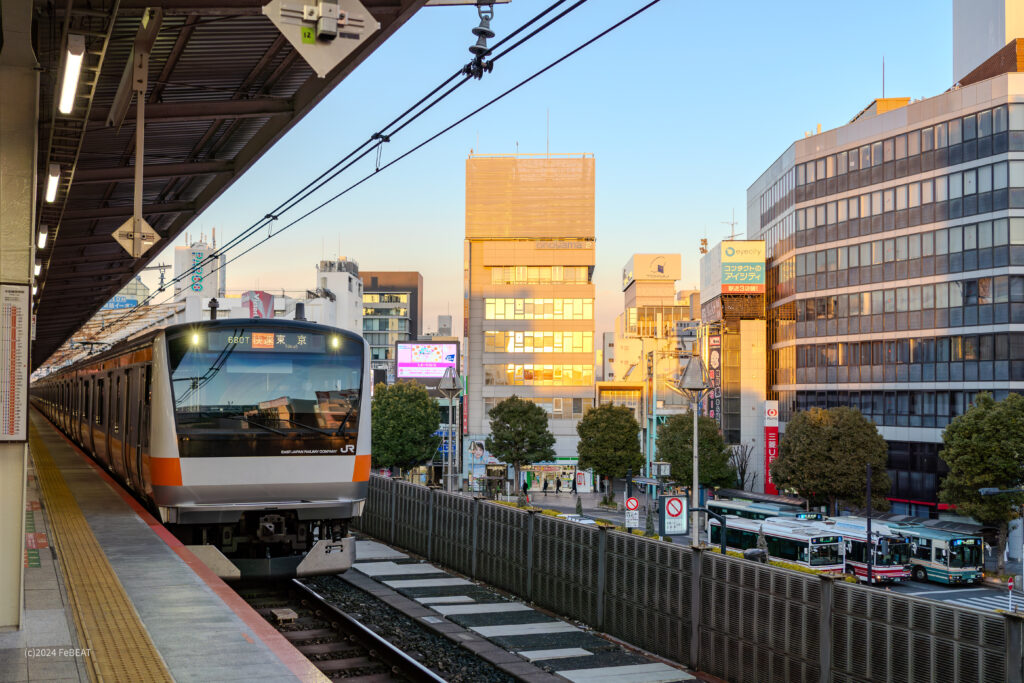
column 673, row 515
column 632, row 504
column 125, row 236
column 632, row 518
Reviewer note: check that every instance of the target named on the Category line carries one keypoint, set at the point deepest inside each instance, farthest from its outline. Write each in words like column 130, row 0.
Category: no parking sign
column 674, row 515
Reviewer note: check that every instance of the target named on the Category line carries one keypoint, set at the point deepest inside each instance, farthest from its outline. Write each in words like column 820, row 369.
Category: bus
column 788, row 540
column 944, row 556
column 748, row 509
column 890, row 547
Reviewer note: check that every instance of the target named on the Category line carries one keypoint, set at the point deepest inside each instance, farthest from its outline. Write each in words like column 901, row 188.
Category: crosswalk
column 983, row 598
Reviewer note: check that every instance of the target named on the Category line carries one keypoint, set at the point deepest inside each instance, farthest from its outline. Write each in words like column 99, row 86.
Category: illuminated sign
column 246, row 340
column 826, row 539
column 743, row 267
column 419, row 360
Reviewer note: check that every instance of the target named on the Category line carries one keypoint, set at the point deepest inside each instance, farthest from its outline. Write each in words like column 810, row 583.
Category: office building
column 644, row 362
column 392, row 312
column 529, row 295
column 894, row 245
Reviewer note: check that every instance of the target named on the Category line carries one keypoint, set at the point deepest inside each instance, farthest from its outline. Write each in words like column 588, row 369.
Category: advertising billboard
column 743, row 267
column 771, row 443
column 425, row 360
column 258, row 304
column 648, row 267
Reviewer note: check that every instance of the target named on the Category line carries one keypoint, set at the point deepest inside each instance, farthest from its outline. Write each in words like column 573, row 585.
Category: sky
column 683, row 108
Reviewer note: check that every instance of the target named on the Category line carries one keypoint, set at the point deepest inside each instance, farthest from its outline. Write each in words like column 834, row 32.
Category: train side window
column 100, row 403
column 116, row 417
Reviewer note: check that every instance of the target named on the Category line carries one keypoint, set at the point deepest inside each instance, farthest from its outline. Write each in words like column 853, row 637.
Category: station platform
column 110, row 595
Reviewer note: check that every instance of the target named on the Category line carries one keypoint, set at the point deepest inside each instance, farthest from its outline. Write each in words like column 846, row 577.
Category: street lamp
column 993, row 491
column 450, row 387
column 691, row 383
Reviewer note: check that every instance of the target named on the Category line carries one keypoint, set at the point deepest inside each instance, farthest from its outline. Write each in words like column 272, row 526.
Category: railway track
column 338, row 645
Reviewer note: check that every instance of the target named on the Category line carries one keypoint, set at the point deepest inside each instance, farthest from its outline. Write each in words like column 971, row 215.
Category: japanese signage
column 714, row 366
column 14, row 341
column 120, row 301
column 743, row 267
column 425, row 359
column 674, row 515
column 247, row 340
column 771, row 442
column 259, row 304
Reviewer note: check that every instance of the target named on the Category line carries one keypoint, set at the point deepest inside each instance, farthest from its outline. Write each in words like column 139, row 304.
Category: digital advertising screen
column 425, row 360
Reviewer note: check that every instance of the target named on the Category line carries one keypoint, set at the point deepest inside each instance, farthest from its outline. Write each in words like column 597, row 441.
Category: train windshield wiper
column 305, row 426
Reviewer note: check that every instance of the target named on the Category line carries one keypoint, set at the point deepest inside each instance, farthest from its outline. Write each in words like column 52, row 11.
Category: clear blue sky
column 683, row 108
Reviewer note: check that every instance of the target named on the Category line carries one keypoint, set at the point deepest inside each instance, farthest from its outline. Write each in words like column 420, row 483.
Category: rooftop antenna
column 883, row 77
column 731, row 224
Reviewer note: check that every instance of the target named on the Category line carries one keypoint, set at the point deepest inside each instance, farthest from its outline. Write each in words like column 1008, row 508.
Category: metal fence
column 752, row 622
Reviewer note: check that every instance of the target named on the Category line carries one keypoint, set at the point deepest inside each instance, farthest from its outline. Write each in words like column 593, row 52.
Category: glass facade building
column 529, row 294
column 896, row 280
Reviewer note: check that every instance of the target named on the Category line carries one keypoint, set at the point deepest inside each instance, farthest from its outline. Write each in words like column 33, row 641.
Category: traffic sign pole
column 1009, row 596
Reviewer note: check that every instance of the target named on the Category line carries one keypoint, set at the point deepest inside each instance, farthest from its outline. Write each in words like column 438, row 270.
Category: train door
column 145, row 397
column 88, row 419
column 131, row 424
column 115, row 435
column 102, row 419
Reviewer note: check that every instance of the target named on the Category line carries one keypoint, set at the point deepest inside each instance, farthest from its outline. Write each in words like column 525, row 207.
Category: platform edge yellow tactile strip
column 108, row 625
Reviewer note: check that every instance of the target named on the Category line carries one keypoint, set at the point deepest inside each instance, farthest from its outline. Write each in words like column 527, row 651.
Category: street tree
column 824, row 454
column 519, row 434
column 675, row 446
column 742, row 460
column 404, row 421
column 983, row 448
column 609, row 441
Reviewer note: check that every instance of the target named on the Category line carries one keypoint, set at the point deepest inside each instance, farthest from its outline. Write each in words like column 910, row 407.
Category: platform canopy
column 224, row 85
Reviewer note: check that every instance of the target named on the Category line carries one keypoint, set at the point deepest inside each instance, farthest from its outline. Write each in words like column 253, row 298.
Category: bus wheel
column 920, row 574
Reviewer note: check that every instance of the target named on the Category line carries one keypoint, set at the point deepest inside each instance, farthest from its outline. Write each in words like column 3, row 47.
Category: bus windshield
column 265, row 382
column 964, row 556
column 827, row 553
column 892, row 553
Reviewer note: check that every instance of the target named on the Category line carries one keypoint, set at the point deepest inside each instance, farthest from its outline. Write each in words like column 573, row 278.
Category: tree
column 519, row 434
column 609, row 441
column 404, row 420
column 675, row 446
column 824, row 455
column 983, row 448
column 742, row 460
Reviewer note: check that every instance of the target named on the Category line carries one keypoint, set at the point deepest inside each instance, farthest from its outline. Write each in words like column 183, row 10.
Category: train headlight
column 335, row 342
column 195, row 339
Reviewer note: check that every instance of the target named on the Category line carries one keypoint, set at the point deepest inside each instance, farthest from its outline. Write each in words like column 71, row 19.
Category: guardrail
column 732, row 618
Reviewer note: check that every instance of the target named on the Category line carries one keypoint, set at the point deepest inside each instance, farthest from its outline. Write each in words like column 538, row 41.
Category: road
column 978, row 597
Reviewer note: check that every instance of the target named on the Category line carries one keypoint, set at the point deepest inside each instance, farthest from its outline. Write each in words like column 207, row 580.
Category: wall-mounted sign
column 771, row 442
column 425, row 360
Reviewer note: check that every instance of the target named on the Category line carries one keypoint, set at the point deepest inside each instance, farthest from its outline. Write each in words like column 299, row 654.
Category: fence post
column 602, row 574
column 695, row 571
column 430, row 524
column 476, row 536
column 1014, row 673
column 825, row 630
column 530, row 521
column 394, row 505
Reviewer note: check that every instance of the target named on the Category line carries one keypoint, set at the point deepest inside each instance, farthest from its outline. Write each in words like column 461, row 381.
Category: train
column 248, row 435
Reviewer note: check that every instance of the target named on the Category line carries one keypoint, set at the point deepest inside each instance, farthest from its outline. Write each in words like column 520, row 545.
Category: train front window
column 264, row 383
column 961, row 555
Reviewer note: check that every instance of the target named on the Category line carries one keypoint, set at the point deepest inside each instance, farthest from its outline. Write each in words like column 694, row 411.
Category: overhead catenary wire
column 374, row 141
column 444, row 130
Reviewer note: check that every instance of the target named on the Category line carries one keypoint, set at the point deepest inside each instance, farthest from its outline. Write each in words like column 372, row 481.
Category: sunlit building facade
column 392, row 313
column 895, row 287
column 529, row 295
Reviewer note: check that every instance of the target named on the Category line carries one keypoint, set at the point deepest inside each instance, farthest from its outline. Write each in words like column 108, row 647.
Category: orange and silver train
column 249, row 435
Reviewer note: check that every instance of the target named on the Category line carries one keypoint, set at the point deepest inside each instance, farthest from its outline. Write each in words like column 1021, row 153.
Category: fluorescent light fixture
column 43, row 234
column 51, row 183
column 38, row 267
column 72, row 70
column 34, row 290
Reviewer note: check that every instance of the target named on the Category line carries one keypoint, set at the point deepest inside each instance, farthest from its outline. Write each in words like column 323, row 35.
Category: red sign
column 1011, row 583
column 674, row 507
column 581, row 479
column 262, row 340
column 632, row 503
column 771, row 442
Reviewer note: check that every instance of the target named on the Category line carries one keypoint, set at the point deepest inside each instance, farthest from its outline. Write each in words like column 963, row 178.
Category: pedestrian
column 574, row 486
column 525, row 487
column 545, row 488
column 558, row 485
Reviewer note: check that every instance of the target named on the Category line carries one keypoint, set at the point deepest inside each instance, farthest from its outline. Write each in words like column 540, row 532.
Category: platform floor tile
column 427, row 583
column 445, row 600
column 369, row 551
column 560, row 653
column 523, row 629
column 635, row 673
column 481, row 608
column 392, row 569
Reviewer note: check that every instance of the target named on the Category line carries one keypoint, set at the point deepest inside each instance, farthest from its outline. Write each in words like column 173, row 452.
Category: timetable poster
column 15, row 317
